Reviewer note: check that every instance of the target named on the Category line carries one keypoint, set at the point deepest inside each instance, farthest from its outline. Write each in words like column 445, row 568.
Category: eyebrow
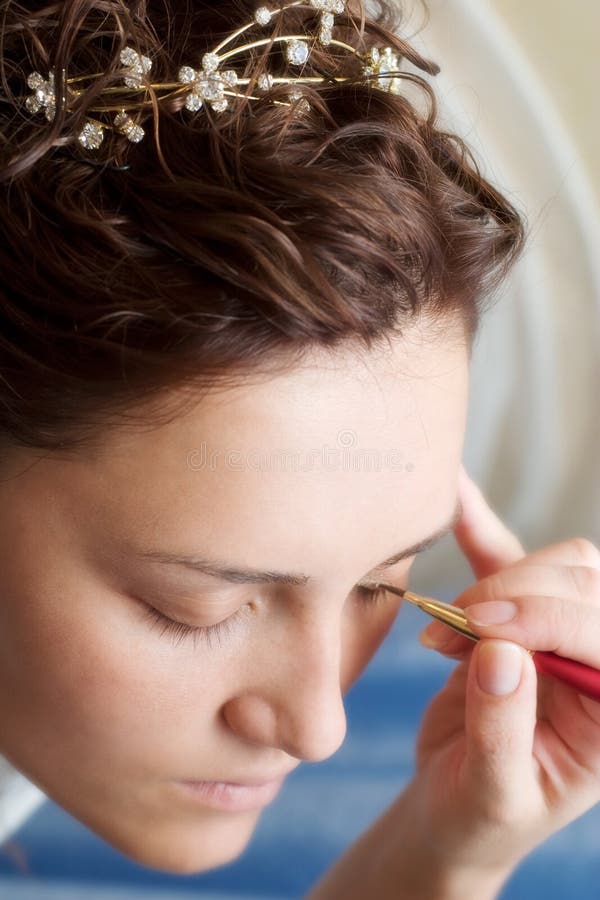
column 239, row 575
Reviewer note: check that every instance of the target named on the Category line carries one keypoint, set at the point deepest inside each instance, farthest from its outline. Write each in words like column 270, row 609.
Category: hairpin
column 209, row 85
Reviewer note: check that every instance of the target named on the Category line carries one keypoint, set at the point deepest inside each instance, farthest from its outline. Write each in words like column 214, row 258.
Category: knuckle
column 504, row 809
column 571, row 619
column 586, row 551
column 498, row 586
column 587, row 581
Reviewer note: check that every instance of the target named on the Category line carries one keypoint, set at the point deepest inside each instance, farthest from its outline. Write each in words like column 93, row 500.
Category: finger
column 485, row 540
column 447, row 641
column 565, row 626
column 500, row 720
column 520, row 582
column 444, row 718
column 576, row 551
column 566, row 582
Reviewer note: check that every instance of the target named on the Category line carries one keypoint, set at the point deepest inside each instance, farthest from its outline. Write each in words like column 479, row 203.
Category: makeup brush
column 583, row 678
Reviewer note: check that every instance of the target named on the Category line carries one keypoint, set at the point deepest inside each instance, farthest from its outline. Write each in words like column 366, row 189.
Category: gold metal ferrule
column 444, row 612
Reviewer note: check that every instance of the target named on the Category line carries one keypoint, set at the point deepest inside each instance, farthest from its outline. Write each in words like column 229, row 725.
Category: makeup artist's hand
column 506, row 757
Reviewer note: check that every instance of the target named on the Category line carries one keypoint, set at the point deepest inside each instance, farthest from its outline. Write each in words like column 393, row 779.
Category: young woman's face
column 321, row 473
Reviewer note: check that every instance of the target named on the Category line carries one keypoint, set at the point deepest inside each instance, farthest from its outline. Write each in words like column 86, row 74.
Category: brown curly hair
column 221, row 245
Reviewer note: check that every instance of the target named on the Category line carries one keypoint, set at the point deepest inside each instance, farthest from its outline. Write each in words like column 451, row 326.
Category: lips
column 243, row 780
column 231, row 796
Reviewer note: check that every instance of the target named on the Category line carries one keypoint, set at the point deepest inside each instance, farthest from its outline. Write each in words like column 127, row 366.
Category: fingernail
column 435, row 635
column 428, row 641
column 499, row 667
column 493, row 612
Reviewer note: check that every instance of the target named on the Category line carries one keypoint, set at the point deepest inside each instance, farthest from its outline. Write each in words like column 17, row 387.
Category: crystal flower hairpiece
column 209, row 85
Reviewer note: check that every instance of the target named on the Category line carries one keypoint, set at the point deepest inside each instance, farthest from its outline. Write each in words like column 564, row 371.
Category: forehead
column 303, row 464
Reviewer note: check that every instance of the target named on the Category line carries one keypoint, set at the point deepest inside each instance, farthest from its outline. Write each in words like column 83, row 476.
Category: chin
column 190, row 850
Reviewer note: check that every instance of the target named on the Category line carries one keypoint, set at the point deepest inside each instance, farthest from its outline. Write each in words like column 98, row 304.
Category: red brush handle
column 583, row 678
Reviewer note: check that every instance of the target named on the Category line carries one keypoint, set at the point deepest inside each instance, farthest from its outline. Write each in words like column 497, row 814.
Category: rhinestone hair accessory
column 209, row 85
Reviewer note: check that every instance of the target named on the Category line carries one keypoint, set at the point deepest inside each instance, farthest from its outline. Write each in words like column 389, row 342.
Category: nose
column 294, row 701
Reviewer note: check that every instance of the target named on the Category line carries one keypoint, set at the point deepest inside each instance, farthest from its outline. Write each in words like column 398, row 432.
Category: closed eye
column 179, row 631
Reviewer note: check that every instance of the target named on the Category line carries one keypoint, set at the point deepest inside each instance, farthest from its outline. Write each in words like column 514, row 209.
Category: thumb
column 500, row 720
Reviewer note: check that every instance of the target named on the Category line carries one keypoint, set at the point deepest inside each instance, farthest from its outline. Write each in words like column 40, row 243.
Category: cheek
column 87, row 677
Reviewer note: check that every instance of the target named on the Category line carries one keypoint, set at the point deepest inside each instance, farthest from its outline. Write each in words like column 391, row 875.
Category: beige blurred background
column 519, row 81
column 564, row 49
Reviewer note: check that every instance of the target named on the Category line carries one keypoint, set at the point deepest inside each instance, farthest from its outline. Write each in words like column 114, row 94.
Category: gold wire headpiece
column 208, row 85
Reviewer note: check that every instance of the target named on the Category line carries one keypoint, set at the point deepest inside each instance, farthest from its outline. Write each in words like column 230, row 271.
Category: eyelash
column 180, row 631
